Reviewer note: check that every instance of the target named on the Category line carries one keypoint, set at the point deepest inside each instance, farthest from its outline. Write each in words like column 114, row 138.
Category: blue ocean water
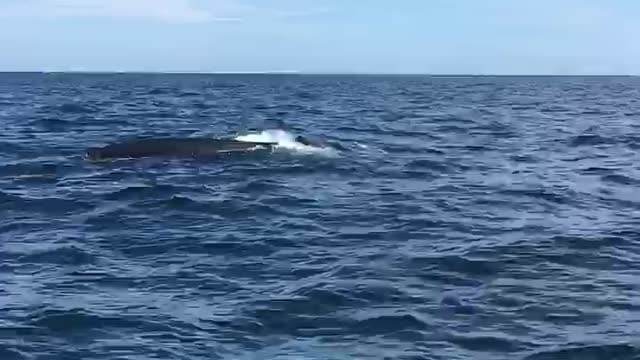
column 460, row 218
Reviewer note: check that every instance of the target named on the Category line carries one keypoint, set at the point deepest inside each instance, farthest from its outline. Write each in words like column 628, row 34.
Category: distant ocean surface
column 458, row 218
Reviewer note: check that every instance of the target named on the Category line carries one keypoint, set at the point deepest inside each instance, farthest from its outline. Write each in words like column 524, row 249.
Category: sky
column 322, row 36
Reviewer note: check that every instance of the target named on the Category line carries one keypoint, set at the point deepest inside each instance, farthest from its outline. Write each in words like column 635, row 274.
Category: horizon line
column 294, row 72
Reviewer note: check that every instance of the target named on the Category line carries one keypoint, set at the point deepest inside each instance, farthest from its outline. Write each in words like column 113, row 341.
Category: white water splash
column 286, row 141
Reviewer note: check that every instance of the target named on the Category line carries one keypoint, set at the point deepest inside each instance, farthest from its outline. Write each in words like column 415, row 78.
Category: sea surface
column 453, row 218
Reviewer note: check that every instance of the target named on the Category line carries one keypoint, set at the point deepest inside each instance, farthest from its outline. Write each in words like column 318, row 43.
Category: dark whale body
column 173, row 147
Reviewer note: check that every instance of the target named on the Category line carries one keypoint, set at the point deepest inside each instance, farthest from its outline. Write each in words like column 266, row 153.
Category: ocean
column 468, row 217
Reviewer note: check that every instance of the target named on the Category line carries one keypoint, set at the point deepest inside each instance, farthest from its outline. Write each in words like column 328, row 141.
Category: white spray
column 286, row 141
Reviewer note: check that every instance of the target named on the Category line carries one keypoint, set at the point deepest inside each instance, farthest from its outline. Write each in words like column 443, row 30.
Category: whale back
column 171, row 147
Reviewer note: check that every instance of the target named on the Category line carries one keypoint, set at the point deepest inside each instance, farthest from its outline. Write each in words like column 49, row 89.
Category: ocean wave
column 431, row 221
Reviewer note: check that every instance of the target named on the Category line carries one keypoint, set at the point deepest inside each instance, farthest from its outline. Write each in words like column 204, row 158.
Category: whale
column 172, row 147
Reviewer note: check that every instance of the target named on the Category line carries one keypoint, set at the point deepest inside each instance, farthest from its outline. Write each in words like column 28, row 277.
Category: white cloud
column 299, row 13
column 170, row 11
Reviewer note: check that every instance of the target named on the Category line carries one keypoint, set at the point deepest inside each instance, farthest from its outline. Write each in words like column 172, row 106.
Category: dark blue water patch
column 632, row 141
column 594, row 170
column 620, row 179
column 48, row 205
column 588, row 352
column 8, row 225
column 306, row 95
column 521, row 104
column 259, row 186
column 391, row 116
column 11, row 147
column 406, row 133
column 451, row 128
column 230, row 245
column 75, row 108
column 70, row 255
column 52, row 124
column 110, row 218
column 292, row 202
column 624, row 205
column 189, row 94
column 386, row 324
column 456, row 264
column 79, row 322
column 159, row 91
column 479, row 148
column 312, row 112
column 590, row 140
column 30, row 169
column 629, row 233
column 88, row 275
column 156, row 115
column 448, row 280
column 142, row 192
column 574, row 317
column 595, row 111
column 216, row 209
column 486, row 343
column 441, row 166
column 11, row 353
column 314, row 302
column 581, row 259
column 525, row 158
column 556, row 196
column 555, row 109
column 585, row 243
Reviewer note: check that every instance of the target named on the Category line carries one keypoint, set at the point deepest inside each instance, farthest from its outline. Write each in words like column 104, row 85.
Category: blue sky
column 373, row 36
